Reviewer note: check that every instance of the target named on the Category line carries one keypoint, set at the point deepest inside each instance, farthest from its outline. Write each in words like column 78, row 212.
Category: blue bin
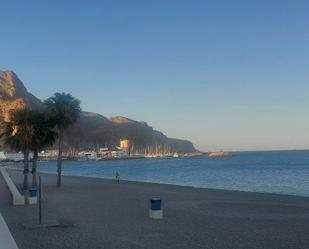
column 32, row 192
column 155, row 203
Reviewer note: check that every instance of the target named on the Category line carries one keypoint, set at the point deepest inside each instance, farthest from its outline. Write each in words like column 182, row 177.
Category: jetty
column 219, row 154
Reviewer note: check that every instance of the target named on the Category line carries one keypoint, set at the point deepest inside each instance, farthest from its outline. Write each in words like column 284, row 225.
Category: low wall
column 18, row 199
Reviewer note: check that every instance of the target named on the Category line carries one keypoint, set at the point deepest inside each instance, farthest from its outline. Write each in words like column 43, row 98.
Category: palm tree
column 43, row 136
column 18, row 133
column 63, row 110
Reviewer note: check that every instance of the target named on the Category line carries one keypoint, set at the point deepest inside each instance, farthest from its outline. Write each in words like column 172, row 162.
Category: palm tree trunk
column 34, row 167
column 59, row 160
column 26, row 169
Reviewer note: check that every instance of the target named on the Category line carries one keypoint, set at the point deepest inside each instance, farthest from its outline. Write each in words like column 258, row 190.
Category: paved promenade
column 109, row 215
column 6, row 240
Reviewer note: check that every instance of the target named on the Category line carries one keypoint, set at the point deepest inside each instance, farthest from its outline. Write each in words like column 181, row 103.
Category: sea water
column 283, row 172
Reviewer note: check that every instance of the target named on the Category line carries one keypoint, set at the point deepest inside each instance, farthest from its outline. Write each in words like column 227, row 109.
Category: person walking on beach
column 117, row 177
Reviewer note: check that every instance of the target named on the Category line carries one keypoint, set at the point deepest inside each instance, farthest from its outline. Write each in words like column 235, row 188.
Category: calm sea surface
column 284, row 172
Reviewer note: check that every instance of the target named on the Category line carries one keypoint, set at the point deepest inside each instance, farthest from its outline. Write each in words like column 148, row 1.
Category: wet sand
column 104, row 214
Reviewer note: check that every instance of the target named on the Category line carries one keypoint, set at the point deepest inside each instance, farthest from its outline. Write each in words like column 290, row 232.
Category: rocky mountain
column 92, row 129
column 14, row 95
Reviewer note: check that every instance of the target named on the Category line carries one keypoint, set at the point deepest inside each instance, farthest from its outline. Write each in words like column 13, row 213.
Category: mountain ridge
column 92, row 129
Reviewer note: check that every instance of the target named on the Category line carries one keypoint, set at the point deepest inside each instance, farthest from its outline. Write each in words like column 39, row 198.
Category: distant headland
column 92, row 129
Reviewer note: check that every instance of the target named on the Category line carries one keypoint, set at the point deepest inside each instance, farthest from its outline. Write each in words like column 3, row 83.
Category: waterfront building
column 90, row 155
column 2, row 156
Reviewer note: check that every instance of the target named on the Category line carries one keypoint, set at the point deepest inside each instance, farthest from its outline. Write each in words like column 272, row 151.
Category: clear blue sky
column 223, row 74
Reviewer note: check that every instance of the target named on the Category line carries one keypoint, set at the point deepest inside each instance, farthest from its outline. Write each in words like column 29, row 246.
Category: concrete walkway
column 6, row 239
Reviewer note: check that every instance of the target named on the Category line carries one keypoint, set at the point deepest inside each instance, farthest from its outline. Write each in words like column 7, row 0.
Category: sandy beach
column 104, row 214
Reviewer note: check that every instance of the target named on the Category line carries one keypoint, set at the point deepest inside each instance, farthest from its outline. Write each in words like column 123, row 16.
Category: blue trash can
column 32, row 192
column 155, row 204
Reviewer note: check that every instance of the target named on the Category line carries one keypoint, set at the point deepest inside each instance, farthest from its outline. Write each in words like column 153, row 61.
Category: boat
column 175, row 155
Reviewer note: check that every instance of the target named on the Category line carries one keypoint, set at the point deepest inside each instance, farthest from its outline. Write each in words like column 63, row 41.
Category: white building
column 101, row 150
column 2, row 156
column 91, row 155
column 119, row 153
column 17, row 157
column 48, row 155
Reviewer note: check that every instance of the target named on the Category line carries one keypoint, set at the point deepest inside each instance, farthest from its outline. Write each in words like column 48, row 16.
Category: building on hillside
column 125, row 145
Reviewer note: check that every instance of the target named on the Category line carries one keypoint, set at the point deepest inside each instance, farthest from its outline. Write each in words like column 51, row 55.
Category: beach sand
column 109, row 215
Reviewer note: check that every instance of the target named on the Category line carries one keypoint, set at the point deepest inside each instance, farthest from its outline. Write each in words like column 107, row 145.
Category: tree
column 18, row 133
column 43, row 136
column 63, row 110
